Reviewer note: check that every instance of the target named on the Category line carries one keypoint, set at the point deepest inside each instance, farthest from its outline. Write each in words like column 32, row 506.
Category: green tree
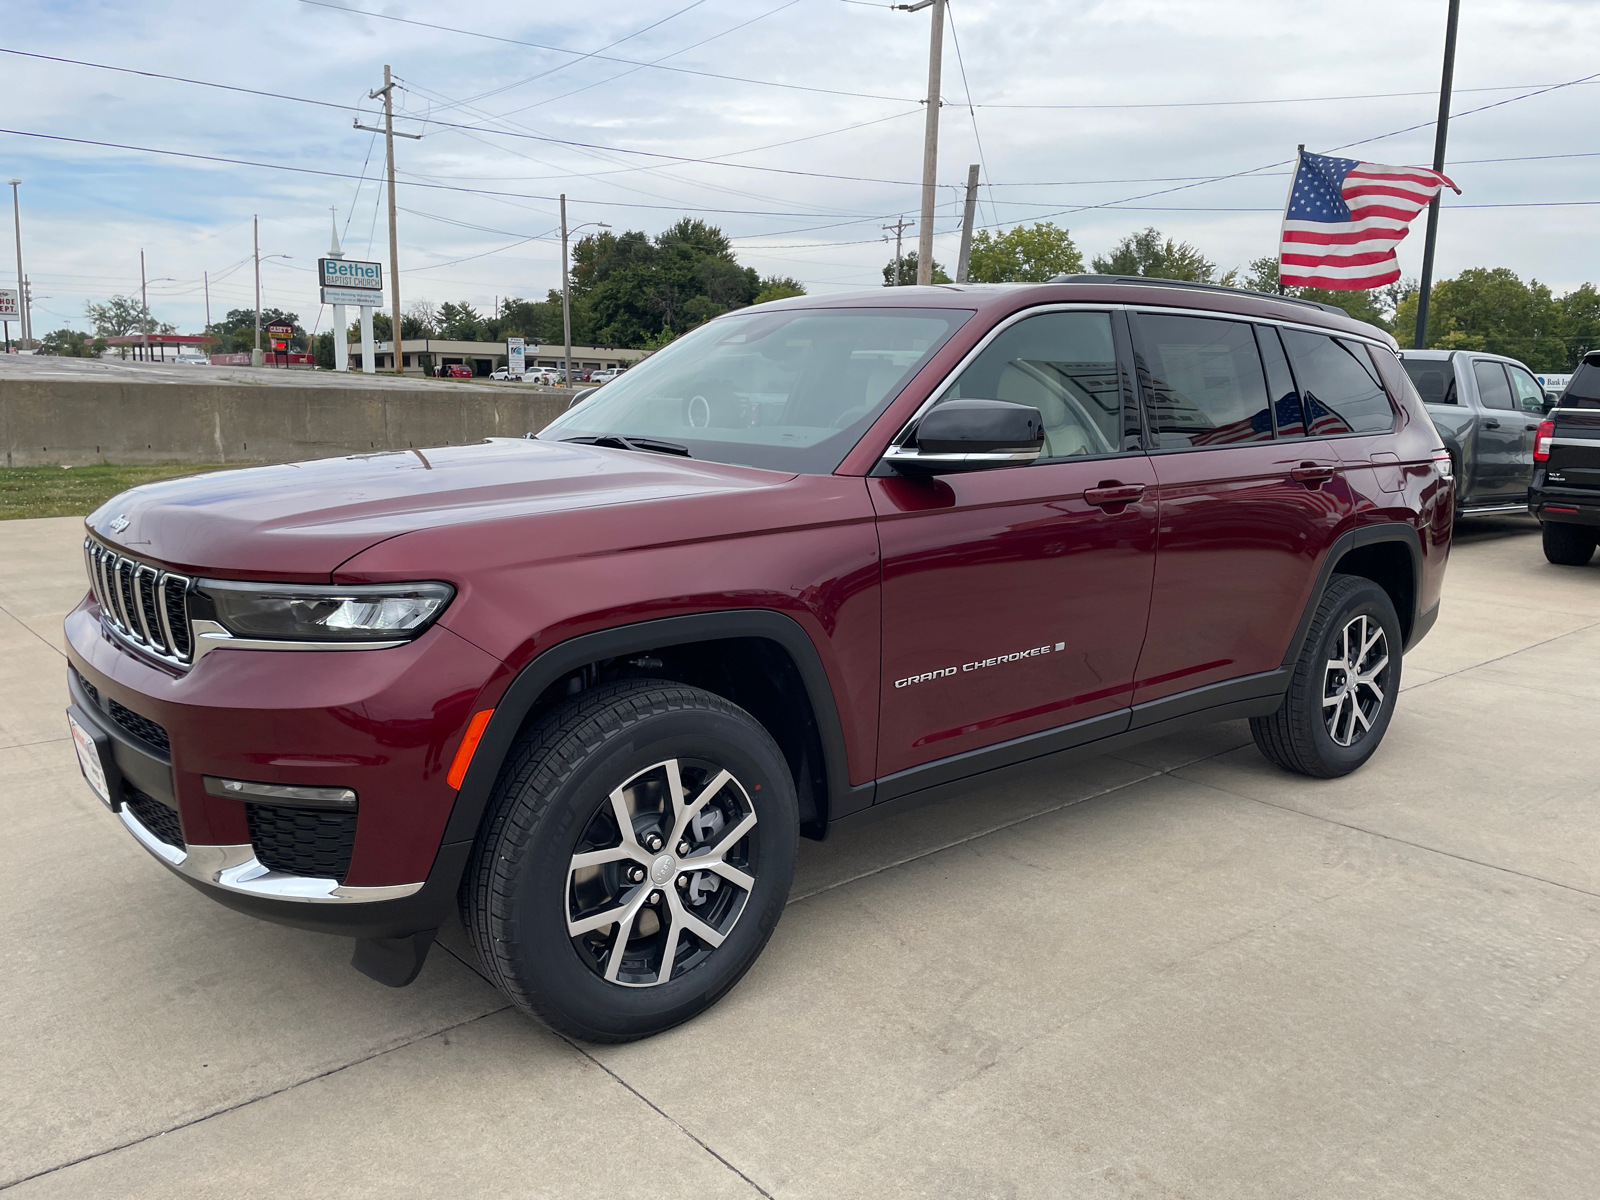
column 778, row 287
column 1023, row 254
column 908, row 271
column 1491, row 308
column 1580, row 323
column 457, row 323
column 69, row 343
column 1145, row 253
column 120, row 316
column 1376, row 306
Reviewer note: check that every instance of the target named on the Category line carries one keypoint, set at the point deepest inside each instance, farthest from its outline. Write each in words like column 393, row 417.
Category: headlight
column 378, row 612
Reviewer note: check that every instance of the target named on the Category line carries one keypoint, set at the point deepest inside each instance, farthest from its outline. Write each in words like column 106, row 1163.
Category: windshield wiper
column 617, row 442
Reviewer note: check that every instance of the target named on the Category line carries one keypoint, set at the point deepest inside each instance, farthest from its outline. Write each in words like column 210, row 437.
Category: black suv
column 1565, row 495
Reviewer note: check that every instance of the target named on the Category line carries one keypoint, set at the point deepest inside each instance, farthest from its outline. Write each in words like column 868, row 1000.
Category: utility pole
column 566, row 297
column 255, row 226
column 930, row 137
column 26, row 322
column 899, row 228
column 965, row 261
column 144, row 309
column 389, row 135
column 1421, row 340
column 205, row 277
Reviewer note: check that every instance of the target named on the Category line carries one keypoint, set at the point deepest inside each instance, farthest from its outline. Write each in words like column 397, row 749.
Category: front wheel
column 635, row 858
column 1342, row 693
column 1568, row 545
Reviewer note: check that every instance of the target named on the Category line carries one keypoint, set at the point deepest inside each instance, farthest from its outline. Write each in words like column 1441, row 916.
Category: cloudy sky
column 794, row 125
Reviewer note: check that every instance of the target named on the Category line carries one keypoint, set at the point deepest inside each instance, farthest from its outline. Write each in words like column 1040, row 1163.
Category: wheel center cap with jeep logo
column 663, row 869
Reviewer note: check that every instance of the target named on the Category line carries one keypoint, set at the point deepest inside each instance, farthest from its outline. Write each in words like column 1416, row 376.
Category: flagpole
column 1421, row 340
column 1288, row 200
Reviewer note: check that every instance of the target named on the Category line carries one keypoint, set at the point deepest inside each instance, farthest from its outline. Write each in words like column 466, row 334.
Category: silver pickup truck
column 1487, row 409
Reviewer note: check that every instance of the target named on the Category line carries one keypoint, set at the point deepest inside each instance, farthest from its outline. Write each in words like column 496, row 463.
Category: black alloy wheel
column 634, row 859
column 1342, row 691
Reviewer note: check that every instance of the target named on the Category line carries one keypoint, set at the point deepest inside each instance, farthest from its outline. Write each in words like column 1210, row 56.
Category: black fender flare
column 565, row 657
column 1365, row 535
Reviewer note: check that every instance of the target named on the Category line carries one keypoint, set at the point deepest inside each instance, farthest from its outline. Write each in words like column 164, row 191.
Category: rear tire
column 1342, row 693
column 1568, row 545
column 665, row 808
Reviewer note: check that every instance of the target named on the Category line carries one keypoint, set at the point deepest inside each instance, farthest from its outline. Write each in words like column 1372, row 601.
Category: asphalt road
column 1176, row 972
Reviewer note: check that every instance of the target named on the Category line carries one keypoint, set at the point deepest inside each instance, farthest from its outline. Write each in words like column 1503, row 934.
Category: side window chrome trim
column 903, row 434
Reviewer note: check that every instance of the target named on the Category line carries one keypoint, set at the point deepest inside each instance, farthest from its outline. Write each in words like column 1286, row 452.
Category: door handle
column 1491, row 424
column 1311, row 473
column 1112, row 494
column 1531, row 428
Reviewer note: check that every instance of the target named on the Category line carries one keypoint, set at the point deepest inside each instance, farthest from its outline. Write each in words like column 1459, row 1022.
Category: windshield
column 791, row 390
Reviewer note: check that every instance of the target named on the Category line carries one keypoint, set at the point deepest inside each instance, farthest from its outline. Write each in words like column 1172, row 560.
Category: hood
column 299, row 521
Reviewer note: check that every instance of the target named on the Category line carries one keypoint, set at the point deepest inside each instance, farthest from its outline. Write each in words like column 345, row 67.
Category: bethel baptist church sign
column 346, row 273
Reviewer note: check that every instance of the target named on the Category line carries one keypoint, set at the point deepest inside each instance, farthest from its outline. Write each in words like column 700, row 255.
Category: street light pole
column 930, row 137
column 255, row 355
column 22, row 291
column 566, row 297
column 144, row 310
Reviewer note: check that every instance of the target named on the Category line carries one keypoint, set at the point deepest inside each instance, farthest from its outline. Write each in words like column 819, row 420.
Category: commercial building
column 484, row 357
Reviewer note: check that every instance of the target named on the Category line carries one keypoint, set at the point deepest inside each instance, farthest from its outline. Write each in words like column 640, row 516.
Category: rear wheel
column 1342, row 693
column 1568, row 545
column 635, row 858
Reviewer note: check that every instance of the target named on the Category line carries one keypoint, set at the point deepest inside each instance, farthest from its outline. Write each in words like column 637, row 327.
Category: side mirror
column 971, row 435
column 579, row 397
column 1551, row 400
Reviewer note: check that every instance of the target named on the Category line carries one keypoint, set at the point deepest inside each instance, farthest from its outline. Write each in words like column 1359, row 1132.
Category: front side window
column 1338, row 385
column 1530, row 396
column 1204, row 382
column 1065, row 365
column 791, row 390
column 1434, row 379
column 1493, row 389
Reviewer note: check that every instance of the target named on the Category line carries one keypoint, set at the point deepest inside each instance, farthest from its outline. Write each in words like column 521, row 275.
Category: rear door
column 1502, row 468
column 1015, row 599
column 1251, row 493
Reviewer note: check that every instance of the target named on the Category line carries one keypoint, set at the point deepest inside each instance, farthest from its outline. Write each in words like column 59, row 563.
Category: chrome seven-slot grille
column 142, row 603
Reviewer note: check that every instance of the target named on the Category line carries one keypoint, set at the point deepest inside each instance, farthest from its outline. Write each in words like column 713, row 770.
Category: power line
column 971, row 111
column 1278, row 100
column 492, row 37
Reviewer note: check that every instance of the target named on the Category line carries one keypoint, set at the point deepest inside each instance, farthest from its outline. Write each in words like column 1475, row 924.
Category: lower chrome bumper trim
column 236, row 869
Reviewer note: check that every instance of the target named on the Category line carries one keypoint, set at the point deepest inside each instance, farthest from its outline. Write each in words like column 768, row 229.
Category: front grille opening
column 178, row 620
column 153, row 815
column 141, row 727
column 145, row 585
column 130, row 603
column 302, row 841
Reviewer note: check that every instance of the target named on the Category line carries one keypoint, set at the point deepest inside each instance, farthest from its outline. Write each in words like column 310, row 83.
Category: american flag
column 1344, row 218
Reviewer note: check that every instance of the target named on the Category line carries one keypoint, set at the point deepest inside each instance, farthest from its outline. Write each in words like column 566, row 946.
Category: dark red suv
column 812, row 559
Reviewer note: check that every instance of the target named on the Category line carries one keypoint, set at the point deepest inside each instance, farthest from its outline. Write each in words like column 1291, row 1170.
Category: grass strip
column 77, row 491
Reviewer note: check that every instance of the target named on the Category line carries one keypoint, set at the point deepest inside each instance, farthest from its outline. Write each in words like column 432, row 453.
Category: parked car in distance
column 833, row 554
column 1487, row 408
column 504, row 373
column 193, row 360
column 455, row 371
column 1565, row 495
column 606, row 375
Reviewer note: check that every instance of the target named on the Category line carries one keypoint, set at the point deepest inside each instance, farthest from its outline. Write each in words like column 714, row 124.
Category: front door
column 1015, row 599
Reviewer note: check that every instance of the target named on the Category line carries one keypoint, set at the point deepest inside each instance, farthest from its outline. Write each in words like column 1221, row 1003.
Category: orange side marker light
column 468, row 747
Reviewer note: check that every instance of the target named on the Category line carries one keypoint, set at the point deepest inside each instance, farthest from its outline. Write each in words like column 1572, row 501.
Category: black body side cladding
column 393, row 962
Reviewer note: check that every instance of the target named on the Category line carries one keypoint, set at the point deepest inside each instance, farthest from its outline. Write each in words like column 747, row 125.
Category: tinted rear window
column 1584, row 390
column 1434, row 379
column 1205, row 382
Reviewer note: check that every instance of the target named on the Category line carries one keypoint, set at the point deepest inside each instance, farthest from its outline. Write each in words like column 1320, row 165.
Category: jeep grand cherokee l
column 812, row 559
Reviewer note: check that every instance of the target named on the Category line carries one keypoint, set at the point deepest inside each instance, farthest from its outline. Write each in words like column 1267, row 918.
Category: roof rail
column 1152, row 281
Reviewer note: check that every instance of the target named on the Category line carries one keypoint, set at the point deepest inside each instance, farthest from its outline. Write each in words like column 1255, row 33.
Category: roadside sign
column 359, row 297
column 346, row 273
column 516, row 356
column 10, row 305
column 279, row 329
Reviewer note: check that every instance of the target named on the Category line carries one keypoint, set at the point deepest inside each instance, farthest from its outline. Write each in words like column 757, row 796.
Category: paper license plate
column 89, row 760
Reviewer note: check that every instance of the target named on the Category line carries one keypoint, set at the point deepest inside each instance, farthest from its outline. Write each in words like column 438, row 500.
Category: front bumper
column 277, row 717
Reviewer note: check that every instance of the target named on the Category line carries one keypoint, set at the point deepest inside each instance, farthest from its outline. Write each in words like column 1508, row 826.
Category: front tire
column 1343, row 690
column 635, row 857
column 1568, row 545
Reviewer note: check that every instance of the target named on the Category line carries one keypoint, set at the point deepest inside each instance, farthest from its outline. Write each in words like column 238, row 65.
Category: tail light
column 1442, row 464
column 1542, row 440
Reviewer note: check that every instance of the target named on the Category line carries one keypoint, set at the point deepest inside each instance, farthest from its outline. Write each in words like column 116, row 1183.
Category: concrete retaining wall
column 89, row 421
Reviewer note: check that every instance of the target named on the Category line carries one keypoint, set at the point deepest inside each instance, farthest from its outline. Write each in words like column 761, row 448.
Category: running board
column 1494, row 508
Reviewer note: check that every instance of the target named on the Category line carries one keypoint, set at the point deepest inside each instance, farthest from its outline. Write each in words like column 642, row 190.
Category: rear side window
column 1065, row 365
column 1338, row 385
column 1204, row 382
column 1280, row 384
column 1493, row 389
column 1434, row 379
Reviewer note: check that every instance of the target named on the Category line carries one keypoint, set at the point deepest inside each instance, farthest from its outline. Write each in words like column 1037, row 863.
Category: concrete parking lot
column 1174, row 972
